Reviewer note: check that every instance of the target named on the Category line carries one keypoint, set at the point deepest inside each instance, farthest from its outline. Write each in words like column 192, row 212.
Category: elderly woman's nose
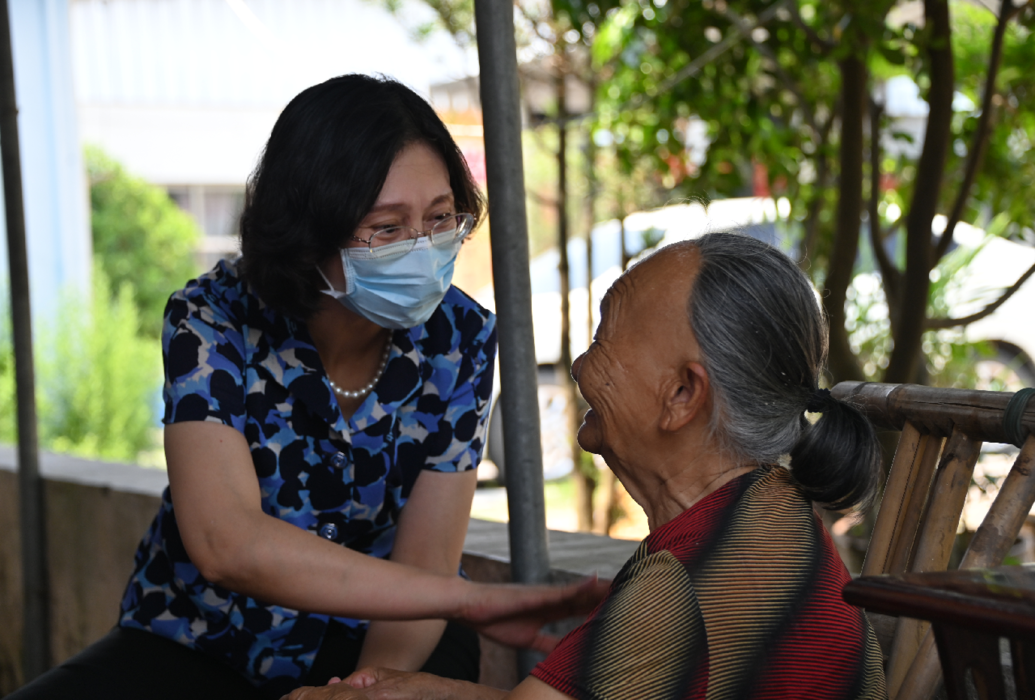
column 575, row 367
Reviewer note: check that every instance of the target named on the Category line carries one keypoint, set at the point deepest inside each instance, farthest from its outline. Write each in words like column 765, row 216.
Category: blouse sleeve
column 647, row 639
column 458, row 443
column 203, row 353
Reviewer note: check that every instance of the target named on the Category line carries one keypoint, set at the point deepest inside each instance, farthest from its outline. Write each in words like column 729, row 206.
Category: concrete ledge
column 98, row 511
column 127, row 478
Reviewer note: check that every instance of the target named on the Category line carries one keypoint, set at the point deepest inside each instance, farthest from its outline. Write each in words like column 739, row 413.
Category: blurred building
column 184, row 93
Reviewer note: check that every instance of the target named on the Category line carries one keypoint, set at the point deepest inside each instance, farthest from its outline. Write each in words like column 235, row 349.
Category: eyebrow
column 400, row 206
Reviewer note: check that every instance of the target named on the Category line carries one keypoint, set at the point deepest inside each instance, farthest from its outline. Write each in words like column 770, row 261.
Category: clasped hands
column 389, row 684
column 510, row 614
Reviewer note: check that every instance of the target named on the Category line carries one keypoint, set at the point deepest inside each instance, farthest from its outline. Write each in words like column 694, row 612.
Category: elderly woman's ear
column 687, row 398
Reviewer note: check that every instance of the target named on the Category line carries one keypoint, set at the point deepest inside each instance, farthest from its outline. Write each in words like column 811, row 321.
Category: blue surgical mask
column 396, row 291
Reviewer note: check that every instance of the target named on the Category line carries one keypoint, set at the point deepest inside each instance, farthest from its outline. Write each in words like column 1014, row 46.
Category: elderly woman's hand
column 334, row 690
column 389, row 684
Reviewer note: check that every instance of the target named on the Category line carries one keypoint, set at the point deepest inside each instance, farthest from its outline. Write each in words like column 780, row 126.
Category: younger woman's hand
column 515, row 614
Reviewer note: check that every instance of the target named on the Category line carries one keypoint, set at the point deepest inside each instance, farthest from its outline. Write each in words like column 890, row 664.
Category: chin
column 588, row 440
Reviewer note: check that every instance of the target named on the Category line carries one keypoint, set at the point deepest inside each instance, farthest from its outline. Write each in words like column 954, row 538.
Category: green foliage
column 140, row 237
column 1008, row 164
column 950, row 355
column 774, row 99
column 772, row 102
column 8, row 417
column 651, row 237
column 96, row 378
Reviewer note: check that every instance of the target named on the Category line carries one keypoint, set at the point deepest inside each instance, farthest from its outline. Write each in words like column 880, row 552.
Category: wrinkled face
column 643, row 340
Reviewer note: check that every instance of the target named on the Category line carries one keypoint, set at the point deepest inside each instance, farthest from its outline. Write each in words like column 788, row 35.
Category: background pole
column 501, row 112
column 36, row 630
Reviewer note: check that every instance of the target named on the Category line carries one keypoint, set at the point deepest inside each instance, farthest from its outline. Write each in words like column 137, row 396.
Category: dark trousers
column 130, row 664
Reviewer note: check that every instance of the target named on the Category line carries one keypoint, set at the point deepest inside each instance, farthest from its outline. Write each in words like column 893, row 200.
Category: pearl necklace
column 369, row 386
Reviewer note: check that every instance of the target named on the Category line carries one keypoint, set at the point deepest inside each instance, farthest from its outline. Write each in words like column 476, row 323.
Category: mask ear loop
column 330, row 287
column 349, row 284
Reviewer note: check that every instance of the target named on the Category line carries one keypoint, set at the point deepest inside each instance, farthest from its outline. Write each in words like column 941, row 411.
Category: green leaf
column 612, row 35
column 891, row 54
column 999, row 224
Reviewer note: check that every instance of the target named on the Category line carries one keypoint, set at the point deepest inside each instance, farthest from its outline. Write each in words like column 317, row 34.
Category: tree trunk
column 603, row 518
column 623, row 249
column 889, row 273
column 591, row 215
column 912, row 312
column 807, row 250
column 843, row 363
column 584, row 483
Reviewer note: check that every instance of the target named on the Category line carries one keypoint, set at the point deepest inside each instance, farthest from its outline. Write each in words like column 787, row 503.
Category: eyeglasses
column 398, row 240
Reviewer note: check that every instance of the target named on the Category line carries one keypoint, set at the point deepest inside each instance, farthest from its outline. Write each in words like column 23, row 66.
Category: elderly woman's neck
column 675, row 482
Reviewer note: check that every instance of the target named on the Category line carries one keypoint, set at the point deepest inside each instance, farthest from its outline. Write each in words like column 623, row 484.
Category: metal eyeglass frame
column 466, row 225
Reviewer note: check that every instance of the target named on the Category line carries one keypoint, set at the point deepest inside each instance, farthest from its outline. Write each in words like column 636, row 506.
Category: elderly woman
column 707, row 358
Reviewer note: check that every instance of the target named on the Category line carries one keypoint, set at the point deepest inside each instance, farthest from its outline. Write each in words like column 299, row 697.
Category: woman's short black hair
column 320, row 174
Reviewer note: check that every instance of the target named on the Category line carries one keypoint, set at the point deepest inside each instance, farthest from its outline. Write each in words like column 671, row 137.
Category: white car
column 998, row 264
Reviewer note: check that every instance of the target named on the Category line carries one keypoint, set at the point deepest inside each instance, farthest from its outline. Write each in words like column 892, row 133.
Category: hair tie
column 818, row 401
column 1014, row 414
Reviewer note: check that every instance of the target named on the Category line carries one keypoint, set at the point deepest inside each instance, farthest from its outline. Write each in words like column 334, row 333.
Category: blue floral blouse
column 230, row 359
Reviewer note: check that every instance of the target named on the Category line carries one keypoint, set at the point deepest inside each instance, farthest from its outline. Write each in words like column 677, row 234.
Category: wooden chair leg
column 924, row 675
column 989, row 547
column 963, row 649
column 1011, row 506
column 937, row 535
column 1023, row 655
column 900, row 483
column 904, row 547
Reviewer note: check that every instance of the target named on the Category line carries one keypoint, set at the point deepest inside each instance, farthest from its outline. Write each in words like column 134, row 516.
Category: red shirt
column 737, row 597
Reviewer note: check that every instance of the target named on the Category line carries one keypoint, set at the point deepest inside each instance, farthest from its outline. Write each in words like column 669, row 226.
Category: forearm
column 405, row 646
column 430, row 536
column 279, row 563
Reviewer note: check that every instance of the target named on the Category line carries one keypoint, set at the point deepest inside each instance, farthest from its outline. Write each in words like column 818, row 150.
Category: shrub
column 8, row 418
column 97, row 377
column 140, row 236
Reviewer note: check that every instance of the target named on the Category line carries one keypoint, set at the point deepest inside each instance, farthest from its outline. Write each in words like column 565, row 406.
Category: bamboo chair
column 941, row 435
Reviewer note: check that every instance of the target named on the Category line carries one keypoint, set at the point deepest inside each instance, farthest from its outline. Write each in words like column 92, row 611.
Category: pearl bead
column 366, row 389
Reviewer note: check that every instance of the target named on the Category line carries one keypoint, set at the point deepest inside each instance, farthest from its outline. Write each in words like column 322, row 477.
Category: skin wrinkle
column 649, row 393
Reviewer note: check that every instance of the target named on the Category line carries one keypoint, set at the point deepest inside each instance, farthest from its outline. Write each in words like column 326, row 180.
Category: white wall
column 186, row 91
